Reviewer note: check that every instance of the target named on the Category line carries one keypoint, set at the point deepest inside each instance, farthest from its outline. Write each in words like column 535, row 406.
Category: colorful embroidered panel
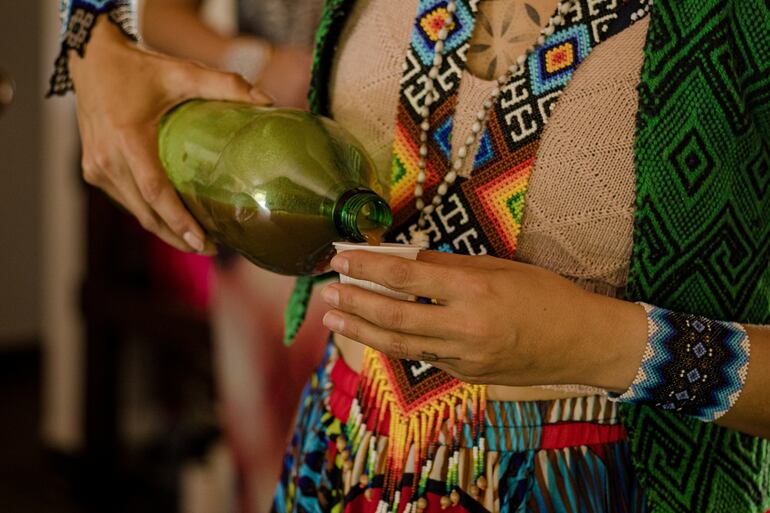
column 481, row 214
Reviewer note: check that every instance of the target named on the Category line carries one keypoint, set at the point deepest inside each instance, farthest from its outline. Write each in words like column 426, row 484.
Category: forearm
column 176, row 28
column 616, row 337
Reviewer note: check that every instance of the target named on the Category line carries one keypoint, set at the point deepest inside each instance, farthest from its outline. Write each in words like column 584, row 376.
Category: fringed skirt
column 558, row 456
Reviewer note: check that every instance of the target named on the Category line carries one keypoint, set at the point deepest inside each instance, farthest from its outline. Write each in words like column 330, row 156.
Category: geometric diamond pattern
column 485, row 152
column 431, row 16
column 702, row 239
column 552, row 65
column 442, row 136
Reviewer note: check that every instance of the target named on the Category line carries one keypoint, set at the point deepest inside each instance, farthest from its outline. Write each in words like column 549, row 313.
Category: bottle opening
column 362, row 216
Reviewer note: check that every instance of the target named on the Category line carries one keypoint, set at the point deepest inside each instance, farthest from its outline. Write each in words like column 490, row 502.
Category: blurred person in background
column 273, row 50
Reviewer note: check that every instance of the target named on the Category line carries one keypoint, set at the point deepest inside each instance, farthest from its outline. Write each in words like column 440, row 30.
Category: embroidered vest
column 702, row 231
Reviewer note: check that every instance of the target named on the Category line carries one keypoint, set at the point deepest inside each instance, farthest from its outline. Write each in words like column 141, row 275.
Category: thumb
column 210, row 84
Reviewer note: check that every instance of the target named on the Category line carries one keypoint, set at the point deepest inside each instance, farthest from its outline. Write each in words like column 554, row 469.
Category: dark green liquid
column 280, row 241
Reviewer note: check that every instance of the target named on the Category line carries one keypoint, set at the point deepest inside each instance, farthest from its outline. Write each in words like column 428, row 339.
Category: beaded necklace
column 411, row 403
column 419, row 236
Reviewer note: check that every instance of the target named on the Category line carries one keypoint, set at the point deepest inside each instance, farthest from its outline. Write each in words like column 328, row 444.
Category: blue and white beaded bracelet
column 78, row 18
column 692, row 365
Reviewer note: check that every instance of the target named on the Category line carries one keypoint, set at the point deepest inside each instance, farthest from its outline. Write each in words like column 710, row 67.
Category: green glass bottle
column 276, row 185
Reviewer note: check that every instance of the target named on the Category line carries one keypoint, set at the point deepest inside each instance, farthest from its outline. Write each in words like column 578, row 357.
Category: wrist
column 613, row 338
column 105, row 37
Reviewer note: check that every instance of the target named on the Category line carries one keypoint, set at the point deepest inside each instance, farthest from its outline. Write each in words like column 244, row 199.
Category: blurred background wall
column 20, row 161
column 117, row 393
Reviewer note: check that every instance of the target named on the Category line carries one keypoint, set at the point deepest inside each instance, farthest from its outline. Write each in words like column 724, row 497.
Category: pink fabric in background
column 186, row 276
column 259, row 380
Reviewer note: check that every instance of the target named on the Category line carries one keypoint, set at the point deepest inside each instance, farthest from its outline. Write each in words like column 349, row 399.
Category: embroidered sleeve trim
column 78, row 18
column 692, row 365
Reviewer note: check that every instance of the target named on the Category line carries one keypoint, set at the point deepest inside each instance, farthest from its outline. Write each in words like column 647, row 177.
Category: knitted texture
column 702, row 233
column 489, row 203
column 574, row 224
column 709, row 59
column 78, row 18
column 692, row 365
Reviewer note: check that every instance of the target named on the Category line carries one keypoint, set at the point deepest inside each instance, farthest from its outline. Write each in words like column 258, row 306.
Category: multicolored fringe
column 417, row 427
column 692, row 365
column 566, row 455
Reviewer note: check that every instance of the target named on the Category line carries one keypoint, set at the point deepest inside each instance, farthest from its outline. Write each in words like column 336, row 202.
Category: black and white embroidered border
column 78, row 18
column 692, row 365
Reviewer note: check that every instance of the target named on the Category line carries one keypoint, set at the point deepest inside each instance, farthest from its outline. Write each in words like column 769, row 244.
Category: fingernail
column 194, row 241
column 340, row 264
column 333, row 321
column 331, row 295
column 259, row 96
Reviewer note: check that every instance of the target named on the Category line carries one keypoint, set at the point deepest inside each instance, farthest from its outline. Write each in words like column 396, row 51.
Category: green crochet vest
column 702, row 230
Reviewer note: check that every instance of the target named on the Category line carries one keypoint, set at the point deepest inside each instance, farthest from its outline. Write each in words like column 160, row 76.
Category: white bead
column 428, row 100
column 458, row 164
column 436, row 201
column 541, row 40
column 423, row 150
column 462, row 152
column 476, row 127
column 488, row 104
column 421, row 177
column 450, row 177
column 439, row 46
column 433, row 73
column 530, row 49
column 633, row 16
column 521, row 60
column 481, row 115
column 428, row 210
column 437, row 59
column 424, row 112
column 423, row 137
column 565, row 7
column 442, row 34
column 513, row 68
column 558, row 20
column 442, row 189
column 495, row 93
column 469, row 140
column 451, row 7
column 421, row 164
column 425, row 126
column 404, row 66
column 420, row 204
column 429, row 86
column 548, row 30
column 418, row 190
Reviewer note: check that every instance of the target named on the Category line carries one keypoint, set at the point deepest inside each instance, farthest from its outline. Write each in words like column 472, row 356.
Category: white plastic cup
column 407, row 251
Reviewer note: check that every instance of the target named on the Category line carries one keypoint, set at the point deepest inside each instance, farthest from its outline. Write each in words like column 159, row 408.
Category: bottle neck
column 361, row 215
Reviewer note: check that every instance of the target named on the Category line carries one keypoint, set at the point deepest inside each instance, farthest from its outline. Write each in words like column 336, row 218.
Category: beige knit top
column 578, row 217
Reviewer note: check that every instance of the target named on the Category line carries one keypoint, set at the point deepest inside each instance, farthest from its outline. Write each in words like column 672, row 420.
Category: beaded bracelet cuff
column 692, row 365
column 78, row 18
